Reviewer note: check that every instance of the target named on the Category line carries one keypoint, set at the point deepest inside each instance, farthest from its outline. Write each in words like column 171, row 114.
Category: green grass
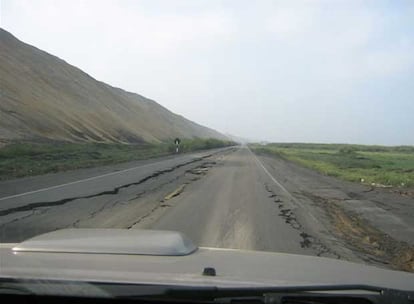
column 24, row 159
column 188, row 145
column 389, row 166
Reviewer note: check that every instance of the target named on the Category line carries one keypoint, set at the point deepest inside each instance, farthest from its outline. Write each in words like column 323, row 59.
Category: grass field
column 386, row 166
column 24, row 159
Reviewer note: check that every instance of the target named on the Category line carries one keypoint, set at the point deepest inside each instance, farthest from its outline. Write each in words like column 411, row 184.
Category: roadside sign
column 177, row 142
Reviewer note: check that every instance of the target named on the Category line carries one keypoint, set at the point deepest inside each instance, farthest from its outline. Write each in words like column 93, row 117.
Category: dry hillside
column 45, row 98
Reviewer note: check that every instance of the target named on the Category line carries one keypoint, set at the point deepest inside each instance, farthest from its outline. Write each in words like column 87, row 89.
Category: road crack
column 114, row 191
column 371, row 244
column 204, row 167
column 308, row 241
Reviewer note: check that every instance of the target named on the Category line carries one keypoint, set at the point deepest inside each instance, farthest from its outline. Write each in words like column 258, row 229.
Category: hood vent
column 110, row 241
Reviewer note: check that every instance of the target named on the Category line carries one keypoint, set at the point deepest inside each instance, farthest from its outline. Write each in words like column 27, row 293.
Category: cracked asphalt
column 228, row 198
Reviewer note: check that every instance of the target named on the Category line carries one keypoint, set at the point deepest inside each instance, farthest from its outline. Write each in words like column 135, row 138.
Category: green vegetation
column 24, row 159
column 390, row 166
column 188, row 145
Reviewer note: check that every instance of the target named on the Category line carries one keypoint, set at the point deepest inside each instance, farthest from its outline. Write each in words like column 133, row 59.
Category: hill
column 44, row 99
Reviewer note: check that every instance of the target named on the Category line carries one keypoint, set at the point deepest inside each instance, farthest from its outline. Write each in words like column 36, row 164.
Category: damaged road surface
column 228, row 198
column 101, row 197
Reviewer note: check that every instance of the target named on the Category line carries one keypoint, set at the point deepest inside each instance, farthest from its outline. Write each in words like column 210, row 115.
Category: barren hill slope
column 44, row 98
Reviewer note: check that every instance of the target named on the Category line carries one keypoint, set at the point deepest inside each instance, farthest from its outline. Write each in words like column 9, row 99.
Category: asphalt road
column 34, row 205
column 227, row 198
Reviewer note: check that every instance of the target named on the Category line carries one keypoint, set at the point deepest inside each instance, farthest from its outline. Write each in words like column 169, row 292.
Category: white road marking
column 271, row 176
column 80, row 181
column 280, row 185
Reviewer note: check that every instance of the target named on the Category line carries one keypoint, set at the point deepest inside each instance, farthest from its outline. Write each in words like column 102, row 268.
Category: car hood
column 234, row 268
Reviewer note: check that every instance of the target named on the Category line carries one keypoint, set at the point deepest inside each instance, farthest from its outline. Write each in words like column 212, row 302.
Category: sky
column 283, row 71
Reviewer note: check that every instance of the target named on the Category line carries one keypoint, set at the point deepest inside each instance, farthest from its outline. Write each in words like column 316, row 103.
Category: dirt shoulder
column 375, row 223
column 362, row 236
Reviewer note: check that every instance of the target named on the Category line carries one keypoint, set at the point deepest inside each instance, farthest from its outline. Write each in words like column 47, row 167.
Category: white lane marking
column 280, row 185
column 270, row 175
column 81, row 180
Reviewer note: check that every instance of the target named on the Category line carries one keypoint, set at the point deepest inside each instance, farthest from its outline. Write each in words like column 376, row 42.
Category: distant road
column 227, row 198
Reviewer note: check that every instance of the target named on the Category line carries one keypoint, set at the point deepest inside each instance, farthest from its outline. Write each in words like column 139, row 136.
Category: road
column 228, row 198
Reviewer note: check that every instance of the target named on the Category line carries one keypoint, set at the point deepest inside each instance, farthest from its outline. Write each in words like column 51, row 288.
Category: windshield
column 267, row 126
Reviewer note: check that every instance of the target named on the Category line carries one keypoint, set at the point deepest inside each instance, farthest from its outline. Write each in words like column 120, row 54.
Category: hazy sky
column 296, row 71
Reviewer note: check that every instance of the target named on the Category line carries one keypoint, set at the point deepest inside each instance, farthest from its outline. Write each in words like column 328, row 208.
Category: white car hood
column 234, row 268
